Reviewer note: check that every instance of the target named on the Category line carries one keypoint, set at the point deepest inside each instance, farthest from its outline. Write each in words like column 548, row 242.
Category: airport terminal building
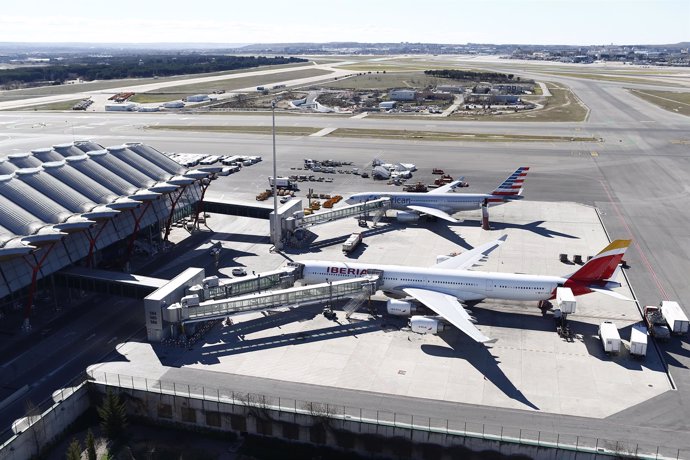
column 83, row 204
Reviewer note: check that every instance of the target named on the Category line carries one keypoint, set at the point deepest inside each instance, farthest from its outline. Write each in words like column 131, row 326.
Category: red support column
column 133, row 236
column 34, row 275
column 174, row 201
column 200, row 203
column 92, row 243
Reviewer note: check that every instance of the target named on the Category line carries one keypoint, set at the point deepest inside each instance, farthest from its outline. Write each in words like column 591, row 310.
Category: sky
column 566, row 22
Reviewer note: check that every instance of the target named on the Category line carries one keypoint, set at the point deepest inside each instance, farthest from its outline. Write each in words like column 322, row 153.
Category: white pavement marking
column 323, row 132
column 360, row 115
column 544, row 89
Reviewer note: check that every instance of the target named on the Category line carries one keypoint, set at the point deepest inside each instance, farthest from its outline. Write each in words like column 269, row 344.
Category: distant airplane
column 440, row 204
column 445, row 286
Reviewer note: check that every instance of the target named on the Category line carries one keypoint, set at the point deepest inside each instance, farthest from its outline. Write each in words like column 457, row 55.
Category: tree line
column 144, row 66
column 493, row 77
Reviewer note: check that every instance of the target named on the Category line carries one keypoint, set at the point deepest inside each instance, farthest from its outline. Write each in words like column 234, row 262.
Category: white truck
column 638, row 340
column 674, row 316
column 351, row 243
column 281, row 182
column 610, row 339
column 565, row 300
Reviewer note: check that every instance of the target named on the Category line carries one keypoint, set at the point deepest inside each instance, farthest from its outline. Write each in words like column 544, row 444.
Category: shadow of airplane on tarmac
column 534, row 227
column 480, row 357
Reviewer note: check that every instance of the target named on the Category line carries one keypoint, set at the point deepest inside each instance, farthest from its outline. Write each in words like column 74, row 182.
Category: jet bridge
column 184, row 312
column 300, row 221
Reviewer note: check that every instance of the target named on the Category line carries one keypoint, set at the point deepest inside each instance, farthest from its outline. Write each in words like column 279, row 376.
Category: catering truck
column 674, row 316
column 351, row 243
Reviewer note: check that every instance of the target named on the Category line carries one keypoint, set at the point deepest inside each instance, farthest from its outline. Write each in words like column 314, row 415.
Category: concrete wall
column 34, row 435
column 313, row 427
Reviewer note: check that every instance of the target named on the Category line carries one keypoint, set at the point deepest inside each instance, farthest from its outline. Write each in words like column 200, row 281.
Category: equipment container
column 565, row 300
column 638, row 340
column 608, row 333
column 674, row 316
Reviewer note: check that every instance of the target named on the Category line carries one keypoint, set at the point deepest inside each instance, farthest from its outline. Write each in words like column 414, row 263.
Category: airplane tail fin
column 603, row 266
column 512, row 186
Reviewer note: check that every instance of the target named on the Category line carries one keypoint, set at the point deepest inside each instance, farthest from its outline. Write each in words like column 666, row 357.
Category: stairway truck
column 674, row 316
column 638, row 340
column 565, row 300
column 352, row 242
column 610, row 339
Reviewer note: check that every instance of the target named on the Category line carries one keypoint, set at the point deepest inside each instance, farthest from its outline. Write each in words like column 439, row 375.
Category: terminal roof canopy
column 49, row 192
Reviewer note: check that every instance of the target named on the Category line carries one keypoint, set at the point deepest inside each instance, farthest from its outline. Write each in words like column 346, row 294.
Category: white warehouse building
column 402, row 95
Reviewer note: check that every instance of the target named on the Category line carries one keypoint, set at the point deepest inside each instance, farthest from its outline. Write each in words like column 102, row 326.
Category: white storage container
column 675, row 317
column 638, row 340
column 565, row 300
column 608, row 333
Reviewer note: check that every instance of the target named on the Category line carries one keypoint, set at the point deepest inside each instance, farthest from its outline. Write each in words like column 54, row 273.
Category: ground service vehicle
column 656, row 325
column 352, row 242
column 610, row 339
column 638, row 340
column 674, row 316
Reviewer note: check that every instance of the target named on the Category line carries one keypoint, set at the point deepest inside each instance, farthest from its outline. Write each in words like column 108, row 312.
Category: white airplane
column 441, row 204
column 445, row 286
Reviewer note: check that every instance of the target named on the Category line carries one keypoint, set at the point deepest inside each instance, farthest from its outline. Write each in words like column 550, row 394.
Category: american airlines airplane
column 441, row 204
column 445, row 286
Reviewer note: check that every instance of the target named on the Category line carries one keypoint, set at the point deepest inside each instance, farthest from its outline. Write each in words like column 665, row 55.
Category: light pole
column 275, row 224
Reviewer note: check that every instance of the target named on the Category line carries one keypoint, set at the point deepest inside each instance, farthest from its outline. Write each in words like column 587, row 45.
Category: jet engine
column 426, row 325
column 400, row 307
column 404, row 216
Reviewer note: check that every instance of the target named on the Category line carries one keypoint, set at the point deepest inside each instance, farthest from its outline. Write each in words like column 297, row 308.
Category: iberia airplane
column 439, row 203
column 445, row 286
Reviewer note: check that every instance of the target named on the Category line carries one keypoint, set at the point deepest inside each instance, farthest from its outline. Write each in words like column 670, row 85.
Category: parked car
column 239, row 271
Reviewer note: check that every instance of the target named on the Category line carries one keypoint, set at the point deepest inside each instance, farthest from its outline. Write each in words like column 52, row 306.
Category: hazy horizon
column 213, row 22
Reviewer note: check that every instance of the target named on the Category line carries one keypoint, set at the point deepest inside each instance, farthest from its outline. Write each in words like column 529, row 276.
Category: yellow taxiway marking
column 594, row 154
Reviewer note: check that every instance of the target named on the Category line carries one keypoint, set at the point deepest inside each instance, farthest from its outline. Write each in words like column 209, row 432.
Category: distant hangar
column 63, row 204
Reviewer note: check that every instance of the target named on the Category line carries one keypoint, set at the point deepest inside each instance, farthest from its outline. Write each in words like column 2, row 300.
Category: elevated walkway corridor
column 275, row 279
column 216, row 309
column 294, row 223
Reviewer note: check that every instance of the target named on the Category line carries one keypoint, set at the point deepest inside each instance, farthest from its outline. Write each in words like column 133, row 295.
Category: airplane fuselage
column 463, row 284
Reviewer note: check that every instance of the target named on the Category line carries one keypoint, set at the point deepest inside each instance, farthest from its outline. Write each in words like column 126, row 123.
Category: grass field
column 449, row 136
column 378, row 133
column 41, row 91
column 667, row 100
column 283, row 130
column 180, row 91
column 388, row 80
column 562, row 106
column 64, row 105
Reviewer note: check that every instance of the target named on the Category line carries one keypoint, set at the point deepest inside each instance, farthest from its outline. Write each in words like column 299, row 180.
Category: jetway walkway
column 216, row 309
column 294, row 223
column 108, row 282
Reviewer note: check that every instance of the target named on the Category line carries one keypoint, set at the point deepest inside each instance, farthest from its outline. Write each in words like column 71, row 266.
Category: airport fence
column 455, row 427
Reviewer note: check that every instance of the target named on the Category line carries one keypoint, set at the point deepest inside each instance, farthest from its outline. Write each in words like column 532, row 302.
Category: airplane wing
column 469, row 258
column 448, row 187
column 434, row 212
column 451, row 310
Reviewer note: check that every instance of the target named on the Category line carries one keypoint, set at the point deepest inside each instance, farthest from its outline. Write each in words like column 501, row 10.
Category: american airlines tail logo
column 347, row 271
